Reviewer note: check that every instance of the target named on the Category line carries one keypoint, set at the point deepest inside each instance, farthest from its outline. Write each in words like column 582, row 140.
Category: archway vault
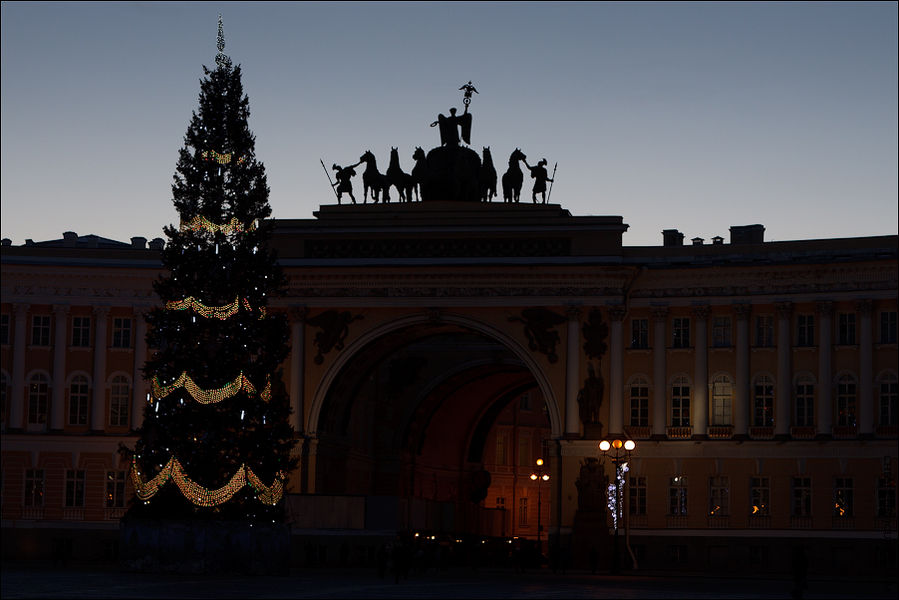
column 352, row 351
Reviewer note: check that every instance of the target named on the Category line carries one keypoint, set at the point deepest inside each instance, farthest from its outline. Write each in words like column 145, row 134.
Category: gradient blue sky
column 695, row 116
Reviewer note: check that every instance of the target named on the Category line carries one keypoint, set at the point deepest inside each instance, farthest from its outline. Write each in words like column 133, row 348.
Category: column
column 57, row 399
column 572, row 372
column 98, row 404
column 659, row 366
column 700, row 405
column 17, row 401
column 783, row 399
column 824, row 408
column 139, row 390
column 297, row 367
column 741, row 388
column 309, row 472
column 616, row 371
column 867, row 402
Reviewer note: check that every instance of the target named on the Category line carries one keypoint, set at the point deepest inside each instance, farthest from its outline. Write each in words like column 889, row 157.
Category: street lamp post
column 621, row 454
column 539, row 475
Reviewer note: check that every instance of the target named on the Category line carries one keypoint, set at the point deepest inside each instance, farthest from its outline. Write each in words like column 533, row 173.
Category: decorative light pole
column 622, row 453
column 539, row 475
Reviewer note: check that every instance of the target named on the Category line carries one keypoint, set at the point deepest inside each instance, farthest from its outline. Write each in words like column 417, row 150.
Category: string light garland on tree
column 222, row 159
column 212, row 312
column 201, row 223
column 211, row 396
column 203, row 496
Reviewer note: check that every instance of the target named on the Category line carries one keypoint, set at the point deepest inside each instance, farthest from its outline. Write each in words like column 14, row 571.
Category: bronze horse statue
column 401, row 181
column 487, row 178
column 372, row 178
column 513, row 177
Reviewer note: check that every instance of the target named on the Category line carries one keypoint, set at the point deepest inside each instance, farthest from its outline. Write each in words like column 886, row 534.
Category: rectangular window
column 722, row 402
column 680, row 405
column 81, row 332
column 40, row 330
column 680, row 328
column 74, row 488
column 763, row 403
column 719, row 496
column 805, row 404
column 677, row 496
column 501, row 454
column 759, row 496
column 886, row 498
column 846, row 329
column 846, row 402
column 889, row 402
column 121, row 332
column 764, row 331
column 79, row 399
column 637, row 496
column 524, row 402
column 639, row 405
column 805, row 330
column 721, row 332
column 501, row 502
column 4, row 329
column 119, row 401
column 524, row 451
column 842, row 497
column 639, row 333
column 522, row 512
column 115, row 489
column 34, row 487
column 38, row 400
column 802, row 497
column 887, row 327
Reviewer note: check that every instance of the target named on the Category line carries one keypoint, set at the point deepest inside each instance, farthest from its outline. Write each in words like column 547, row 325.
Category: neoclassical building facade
column 439, row 349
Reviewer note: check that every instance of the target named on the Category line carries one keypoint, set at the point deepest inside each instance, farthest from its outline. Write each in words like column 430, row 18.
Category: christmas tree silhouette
column 216, row 440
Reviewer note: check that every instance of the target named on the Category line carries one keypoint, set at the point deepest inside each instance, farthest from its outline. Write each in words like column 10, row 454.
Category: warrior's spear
column 335, row 191
column 551, row 180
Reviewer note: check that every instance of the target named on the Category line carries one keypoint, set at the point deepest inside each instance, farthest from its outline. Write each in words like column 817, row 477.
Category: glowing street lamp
column 539, row 475
column 621, row 453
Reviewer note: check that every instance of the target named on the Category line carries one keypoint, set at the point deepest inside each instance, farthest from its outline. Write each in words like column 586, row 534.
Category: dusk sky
column 694, row 116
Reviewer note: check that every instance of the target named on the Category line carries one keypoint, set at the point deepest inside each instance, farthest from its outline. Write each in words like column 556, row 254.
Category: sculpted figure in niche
column 589, row 399
column 591, row 484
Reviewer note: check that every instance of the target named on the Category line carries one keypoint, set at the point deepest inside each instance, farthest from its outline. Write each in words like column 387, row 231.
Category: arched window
column 763, row 401
column 638, row 396
column 119, row 401
column 888, row 400
column 846, row 400
column 38, row 399
column 722, row 400
column 680, row 402
column 804, row 404
column 79, row 400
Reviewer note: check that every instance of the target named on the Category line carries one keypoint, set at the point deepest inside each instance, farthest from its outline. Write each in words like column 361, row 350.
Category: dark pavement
column 21, row 581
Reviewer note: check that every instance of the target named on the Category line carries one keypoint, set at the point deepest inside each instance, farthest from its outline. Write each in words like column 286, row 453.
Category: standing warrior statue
column 468, row 91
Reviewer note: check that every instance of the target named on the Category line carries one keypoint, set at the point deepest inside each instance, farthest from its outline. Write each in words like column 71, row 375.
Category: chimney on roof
column 157, row 244
column 697, row 241
column 6, row 242
column 139, row 242
column 717, row 241
column 29, row 242
column 672, row 237
column 747, row 234
column 69, row 238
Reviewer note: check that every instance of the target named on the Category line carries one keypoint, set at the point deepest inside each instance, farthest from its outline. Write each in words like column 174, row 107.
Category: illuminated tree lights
column 210, row 312
column 200, row 222
column 222, row 159
column 211, row 396
column 200, row 495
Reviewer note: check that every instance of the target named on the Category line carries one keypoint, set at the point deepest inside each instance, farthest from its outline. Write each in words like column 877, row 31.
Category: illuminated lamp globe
column 533, row 477
column 630, row 445
column 617, row 444
column 604, row 446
